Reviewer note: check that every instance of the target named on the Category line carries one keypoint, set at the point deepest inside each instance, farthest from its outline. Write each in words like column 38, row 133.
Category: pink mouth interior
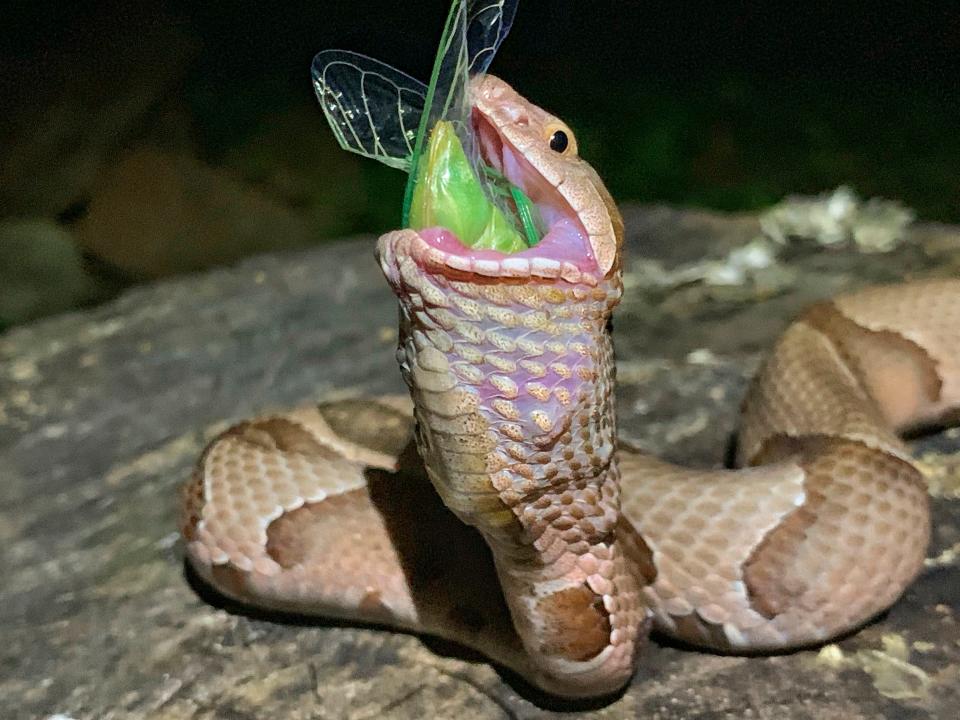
column 565, row 240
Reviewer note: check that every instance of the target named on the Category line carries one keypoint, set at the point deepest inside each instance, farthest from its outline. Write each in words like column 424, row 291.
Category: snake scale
column 497, row 510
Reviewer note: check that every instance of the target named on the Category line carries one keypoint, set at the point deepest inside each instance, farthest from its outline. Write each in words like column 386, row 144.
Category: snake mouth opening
column 563, row 251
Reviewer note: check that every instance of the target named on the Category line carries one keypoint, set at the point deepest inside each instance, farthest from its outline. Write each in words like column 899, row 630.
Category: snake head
column 536, row 152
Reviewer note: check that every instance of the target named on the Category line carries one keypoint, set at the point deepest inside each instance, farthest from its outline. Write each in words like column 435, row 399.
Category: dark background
column 153, row 139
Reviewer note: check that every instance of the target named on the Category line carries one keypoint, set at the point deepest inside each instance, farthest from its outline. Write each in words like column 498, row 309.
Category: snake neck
column 512, row 382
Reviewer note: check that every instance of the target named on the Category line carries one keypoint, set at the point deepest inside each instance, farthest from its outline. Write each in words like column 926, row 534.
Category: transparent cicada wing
column 471, row 36
column 373, row 109
column 447, row 93
column 488, row 23
column 382, row 113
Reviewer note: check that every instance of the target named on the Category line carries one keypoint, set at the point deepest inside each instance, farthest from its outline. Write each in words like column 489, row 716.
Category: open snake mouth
column 563, row 251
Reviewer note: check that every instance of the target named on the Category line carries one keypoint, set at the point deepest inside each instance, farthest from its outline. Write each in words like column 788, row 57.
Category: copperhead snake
column 498, row 510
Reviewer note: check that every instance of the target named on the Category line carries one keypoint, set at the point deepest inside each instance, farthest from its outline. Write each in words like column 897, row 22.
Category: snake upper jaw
column 559, row 181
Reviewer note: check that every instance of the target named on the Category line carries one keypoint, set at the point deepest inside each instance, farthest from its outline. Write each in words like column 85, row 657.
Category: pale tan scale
column 497, row 510
column 472, row 309
column 440, row 340
column 439, row 317
column 505, row 386
column 542, row 420
column 434, row 381
column 468, row 353
column 561, row 369
column 529, row 348
column 432, row 359
column 537, row 369
column 501, row 341
column 538, row 390
column 468, row 331
column 501, row 363
column 502, row 316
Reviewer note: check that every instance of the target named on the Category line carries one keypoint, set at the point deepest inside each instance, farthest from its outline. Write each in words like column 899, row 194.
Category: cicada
column 425, row 130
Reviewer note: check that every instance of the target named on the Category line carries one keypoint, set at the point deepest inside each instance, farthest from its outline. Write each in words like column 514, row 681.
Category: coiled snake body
column 498, row 510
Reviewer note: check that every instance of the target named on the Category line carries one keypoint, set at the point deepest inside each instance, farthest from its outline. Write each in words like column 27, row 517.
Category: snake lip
column 563, row 252
column 437, row 251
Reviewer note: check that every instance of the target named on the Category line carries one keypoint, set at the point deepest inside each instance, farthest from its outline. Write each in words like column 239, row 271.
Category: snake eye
column 560, row 138
column 559, row 141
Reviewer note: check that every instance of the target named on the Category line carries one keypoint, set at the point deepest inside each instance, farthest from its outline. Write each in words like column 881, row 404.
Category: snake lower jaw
column 560, row 256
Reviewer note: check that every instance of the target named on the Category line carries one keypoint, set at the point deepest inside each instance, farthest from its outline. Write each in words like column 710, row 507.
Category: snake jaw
column 515, row 138
column 584, row 228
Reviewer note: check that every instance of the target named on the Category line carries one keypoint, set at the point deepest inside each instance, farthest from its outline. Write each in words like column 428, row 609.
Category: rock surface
column 102, row 414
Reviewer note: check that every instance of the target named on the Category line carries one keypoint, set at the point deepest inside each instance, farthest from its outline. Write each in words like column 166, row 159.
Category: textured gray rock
column 102, row 414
